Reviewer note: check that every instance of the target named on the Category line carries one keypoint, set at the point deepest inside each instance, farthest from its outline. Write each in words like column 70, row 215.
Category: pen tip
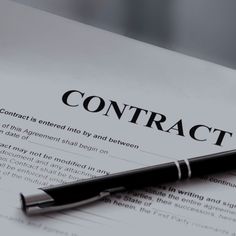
column 23, row 204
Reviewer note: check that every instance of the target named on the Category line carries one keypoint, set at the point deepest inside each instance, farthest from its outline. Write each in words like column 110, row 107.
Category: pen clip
column 41, row 202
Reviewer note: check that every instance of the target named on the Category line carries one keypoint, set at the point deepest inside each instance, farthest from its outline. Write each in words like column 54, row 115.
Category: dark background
column 200, row 28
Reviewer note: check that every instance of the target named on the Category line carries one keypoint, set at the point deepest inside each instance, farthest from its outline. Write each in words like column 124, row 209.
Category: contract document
column 78, row 102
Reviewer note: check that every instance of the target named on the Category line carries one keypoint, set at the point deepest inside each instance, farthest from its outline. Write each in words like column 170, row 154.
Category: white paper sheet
column 44, row 141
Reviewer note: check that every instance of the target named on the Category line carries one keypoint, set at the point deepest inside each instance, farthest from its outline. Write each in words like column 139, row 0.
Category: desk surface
column 204, row 29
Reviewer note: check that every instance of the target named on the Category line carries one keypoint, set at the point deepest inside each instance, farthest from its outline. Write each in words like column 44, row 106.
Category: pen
column 78, row 193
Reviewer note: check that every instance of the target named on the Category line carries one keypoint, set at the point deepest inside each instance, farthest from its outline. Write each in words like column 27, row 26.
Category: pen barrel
column 142, row 177
column 81, row 192
column 85, row 189
column 213, row 163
